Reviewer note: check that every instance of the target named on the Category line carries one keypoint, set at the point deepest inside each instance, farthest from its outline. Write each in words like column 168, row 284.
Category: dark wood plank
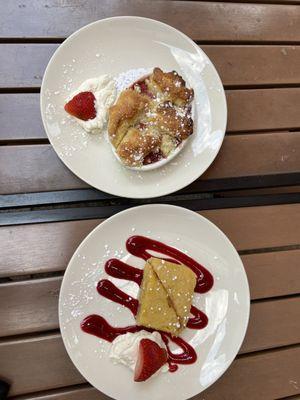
column 266, row 108
column 82, row 392
column 24, row 64
column 26, row 250
column 242, row 156
column 248, row 110
column 237, row 65
column 272, row 324
column 29, row 306
column 273, row 274
column 52, row 173
column 99, row 211
column 39, row 168
column 204, row 21
column 37, row 363
column 260, row 191
column 251, row 227
column 256, row 65
column 260, row 377
column 198, row 189
column 26, row 123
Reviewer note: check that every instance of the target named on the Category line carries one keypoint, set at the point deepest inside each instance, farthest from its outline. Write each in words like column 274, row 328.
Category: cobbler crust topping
column 151, row 118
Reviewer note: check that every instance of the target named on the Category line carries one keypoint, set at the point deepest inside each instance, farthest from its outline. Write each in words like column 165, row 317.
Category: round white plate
column 114, row 46
column 226, row 304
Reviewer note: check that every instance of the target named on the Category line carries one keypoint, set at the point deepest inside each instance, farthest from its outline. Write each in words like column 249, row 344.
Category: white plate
column 113, row 46
column 226, row 304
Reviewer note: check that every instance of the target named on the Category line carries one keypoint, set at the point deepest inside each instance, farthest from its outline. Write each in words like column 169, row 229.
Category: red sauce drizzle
column 118, row 269
column 98, row 326
column 138, row 246
column 199, row 321
column 188, row 354
column 107, row 289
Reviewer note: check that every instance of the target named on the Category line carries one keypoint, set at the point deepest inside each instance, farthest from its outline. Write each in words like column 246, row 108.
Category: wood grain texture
column 248, row 110
column 255, row 65
column 266, row 108
column 251, row 227
column 204, row 21
column 82, row 392
column 31, row 306
column 37, row 363
column 272, row 323
column 273, row 274
column 260, row 377
column 27, row 122
column 24, row 64
column 42, row 247
column 39, row 168
column 237, row 65
column 48, row 247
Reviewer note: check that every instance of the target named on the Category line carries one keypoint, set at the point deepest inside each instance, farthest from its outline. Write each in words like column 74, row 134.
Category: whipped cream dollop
column 104, row 89
column 124, row 349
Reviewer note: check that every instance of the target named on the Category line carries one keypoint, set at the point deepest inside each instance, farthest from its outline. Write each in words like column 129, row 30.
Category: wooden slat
column 83, row 392
column 251, row 227
column 31, row 306
column 256, row 65
column 26, row 249
column 37, row 363
column 248, row 110
column 268, row 108
column 24, row 64
column 237, row 65
column 266, row 1
column 261, row 377
column 258, row 191
column 273, row 274
column 203, row 21
column 39, row 169
column 272, row 324
column 26, row 123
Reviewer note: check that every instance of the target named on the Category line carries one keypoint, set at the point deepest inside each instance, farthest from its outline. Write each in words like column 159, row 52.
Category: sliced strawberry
column 151, row 358
column 82, row 106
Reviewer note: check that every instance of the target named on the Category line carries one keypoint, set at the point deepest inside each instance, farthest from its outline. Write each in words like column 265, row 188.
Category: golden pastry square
column 166, row 296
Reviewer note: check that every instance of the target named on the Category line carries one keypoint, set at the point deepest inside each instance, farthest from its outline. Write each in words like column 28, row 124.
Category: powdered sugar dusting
column 127, row 78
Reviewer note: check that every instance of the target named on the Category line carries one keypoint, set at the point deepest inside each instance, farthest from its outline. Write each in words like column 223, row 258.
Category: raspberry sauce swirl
column 139, row 247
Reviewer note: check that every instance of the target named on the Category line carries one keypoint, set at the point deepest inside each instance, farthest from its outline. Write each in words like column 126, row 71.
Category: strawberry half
column 151, row 358
column 82, row 106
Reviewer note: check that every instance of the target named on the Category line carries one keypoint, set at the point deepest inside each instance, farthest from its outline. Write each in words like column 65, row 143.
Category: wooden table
column 250, row 191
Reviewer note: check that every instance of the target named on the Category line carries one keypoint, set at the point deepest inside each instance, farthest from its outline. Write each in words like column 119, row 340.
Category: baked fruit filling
column 166, row 296
column 151, row 118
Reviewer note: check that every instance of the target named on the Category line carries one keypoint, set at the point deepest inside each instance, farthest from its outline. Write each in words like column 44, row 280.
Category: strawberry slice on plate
column 82, row 106
column 151, row 358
